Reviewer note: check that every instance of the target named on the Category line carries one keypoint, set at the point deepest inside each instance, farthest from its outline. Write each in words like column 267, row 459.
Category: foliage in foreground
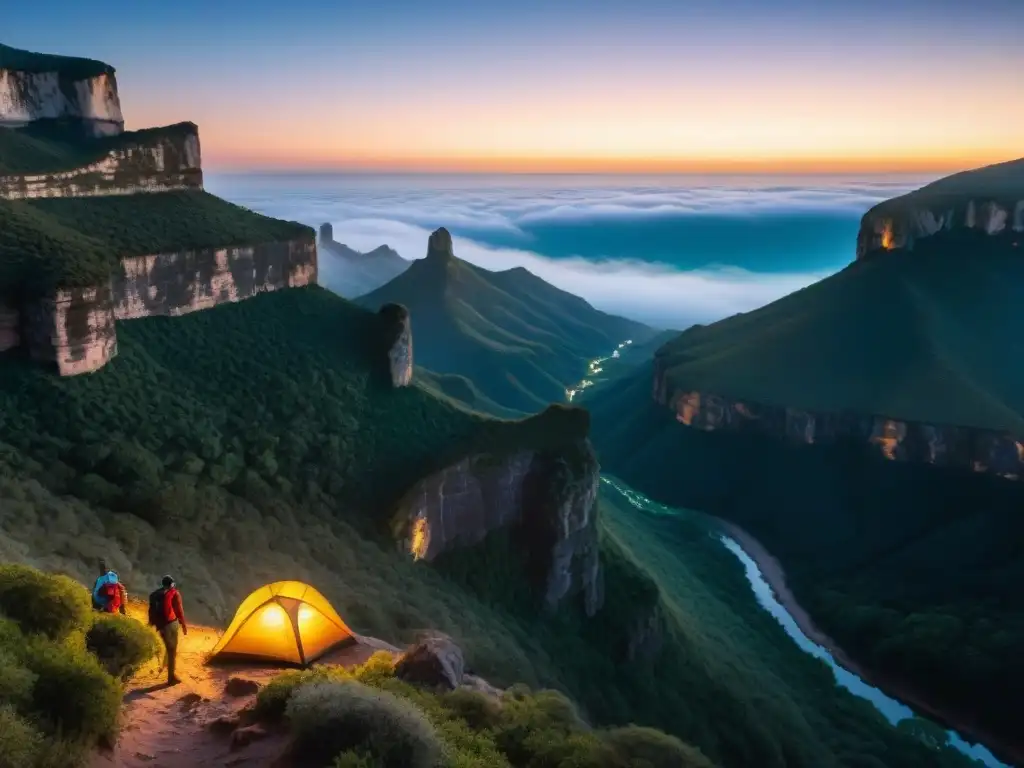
column 57, row 701
column 366, row 717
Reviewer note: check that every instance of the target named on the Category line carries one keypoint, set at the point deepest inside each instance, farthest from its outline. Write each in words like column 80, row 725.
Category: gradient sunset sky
column 553, row 85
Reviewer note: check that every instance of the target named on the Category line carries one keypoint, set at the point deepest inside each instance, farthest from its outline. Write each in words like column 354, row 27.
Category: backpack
column 109, row 594
column 157, row 611
column 100, row 595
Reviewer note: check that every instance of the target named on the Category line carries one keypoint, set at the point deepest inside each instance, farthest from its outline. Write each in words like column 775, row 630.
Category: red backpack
column 112, row 598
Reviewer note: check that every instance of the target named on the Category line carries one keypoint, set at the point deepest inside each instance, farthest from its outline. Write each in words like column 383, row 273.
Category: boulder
column 435, row 661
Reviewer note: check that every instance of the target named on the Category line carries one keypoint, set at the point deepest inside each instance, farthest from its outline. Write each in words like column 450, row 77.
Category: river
column 893, row 710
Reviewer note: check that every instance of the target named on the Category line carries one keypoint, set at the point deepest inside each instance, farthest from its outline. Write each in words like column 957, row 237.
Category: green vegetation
column 235, row 446
column 134, row 225
column 367, row 717
column 520, row 341
column 46, row 147
column 57, row 702
column 76, row 242
column 1002, row 183
column 121, row 644
column 911, row 568
column 924, row 336
column 71, row 67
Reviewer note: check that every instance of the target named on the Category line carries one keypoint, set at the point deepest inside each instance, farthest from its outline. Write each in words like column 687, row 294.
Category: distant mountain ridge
column 868, row 429
column 520, row 340
column 352, row 273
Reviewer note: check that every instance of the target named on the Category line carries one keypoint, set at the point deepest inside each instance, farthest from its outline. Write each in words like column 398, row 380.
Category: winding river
column 894, row 711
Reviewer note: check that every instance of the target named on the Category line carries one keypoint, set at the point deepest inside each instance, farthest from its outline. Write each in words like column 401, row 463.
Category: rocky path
column 176, row 727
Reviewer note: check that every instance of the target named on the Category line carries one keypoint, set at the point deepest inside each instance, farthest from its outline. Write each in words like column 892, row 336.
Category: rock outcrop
column 40, row 87
column 989, row 200
column 967, row 448
column 397, row 330
column 72, row 331
column 546, row 500
column 85, row 153
column 188, row 281
column 434, row 661
column 159, row 160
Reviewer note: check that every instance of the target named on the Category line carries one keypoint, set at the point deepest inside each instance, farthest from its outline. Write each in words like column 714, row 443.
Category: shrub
column 121, row 643
column 15, row 681
column 377, row 669
column 20, row 742
column 477, row 709
column 329, row 718
column 41, row 603
column 353, row 759
column 73, row 693
column 273, row 698
column 638, row 747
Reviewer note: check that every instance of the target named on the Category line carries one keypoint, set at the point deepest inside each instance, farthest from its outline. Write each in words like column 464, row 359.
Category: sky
column 572, row 85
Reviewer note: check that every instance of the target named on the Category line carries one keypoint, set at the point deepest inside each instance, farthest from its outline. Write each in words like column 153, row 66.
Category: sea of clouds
column 669, row 251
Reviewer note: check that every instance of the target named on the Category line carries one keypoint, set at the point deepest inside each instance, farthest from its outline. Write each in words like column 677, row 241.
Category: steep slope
column 349, row 272
column 518, row 339
column 263, row 440
column 867, row 429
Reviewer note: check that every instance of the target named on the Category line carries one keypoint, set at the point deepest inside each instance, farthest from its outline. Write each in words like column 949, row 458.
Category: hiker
column 108, row 593
column 165, row 614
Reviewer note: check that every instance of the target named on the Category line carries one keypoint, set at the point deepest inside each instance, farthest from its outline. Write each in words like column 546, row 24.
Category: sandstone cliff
column 546, row 500
column 990, row 200
column 979, row 450
column 397, row 332
column 42, row 87
column 152, row 160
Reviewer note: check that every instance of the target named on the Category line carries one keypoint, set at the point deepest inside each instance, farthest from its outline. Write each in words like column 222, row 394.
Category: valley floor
column 169, row 727
column 774, row 574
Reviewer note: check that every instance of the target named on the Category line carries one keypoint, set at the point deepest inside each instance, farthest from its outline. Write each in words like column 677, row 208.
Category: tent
column 287, row 622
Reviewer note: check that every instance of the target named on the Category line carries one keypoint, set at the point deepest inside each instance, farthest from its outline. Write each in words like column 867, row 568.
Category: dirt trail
column 168, row 727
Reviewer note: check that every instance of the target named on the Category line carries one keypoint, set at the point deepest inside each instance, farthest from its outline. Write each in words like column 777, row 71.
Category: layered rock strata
column 547, row 501
column 157, row 162
column 91, row 102
column 72, row 331
column 979, row 450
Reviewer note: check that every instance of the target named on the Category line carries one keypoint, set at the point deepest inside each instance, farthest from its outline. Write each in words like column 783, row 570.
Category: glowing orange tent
column 287, row 622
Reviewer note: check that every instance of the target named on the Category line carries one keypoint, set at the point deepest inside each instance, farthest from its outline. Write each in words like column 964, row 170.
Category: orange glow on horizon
column 597, row 165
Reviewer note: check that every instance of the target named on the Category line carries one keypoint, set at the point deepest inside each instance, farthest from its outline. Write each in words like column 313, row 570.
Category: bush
column 20, row 742
column 121, row 644
column 41, row 603
column 329, row 718
column 477, row 709
column 638, row 747
column 15, row 681
column 73, row 693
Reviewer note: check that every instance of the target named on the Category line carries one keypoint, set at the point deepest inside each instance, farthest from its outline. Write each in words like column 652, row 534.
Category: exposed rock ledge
column 74, row 330
column 162, row 160
column 979, row 450
column 547, row 501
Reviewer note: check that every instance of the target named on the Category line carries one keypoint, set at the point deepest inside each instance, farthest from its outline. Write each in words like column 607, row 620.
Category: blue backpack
column 99, row 600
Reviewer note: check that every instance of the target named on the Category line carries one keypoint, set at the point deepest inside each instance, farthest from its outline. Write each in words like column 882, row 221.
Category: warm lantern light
column 420, row 538
column 305, row 614
column 887, row 239
column 273, row 616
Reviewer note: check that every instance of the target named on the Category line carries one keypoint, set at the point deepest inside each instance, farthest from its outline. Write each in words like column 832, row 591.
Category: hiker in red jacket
column 165, row 614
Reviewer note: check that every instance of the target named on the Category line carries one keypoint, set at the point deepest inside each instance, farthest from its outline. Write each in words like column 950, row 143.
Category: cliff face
column 989, row 200
column 72, row 331
column 188, row 281
column 160, row 162
column 547, row 501
column 398, row 333
column 91, row 102
column 943, row 445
